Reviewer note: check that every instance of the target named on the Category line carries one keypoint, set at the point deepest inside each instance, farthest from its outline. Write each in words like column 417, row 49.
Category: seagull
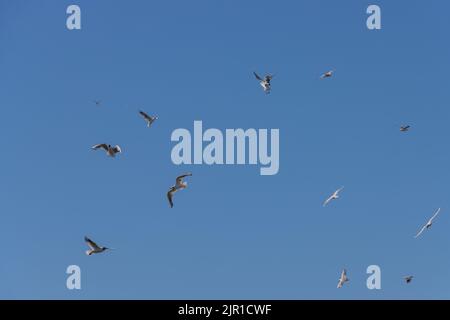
column 408, row 279
column 429, row 223
column 179, row 185
column 110, row 150
column 94, row 247
column 334, row 196
column 404, row 128
column 343, row 279
column 97, row 102
column 265, row 83
column 327, row 74
column 149, row 119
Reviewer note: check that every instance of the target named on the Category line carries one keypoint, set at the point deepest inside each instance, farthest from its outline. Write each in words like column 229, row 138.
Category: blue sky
column 233, row 234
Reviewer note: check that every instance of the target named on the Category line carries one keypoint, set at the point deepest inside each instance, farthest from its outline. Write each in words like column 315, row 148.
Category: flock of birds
column 180, row 184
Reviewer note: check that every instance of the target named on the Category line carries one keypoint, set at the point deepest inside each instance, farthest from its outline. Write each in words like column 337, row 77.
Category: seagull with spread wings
column 110, row 150
column 149, row 119
column 264, row 82
column 94, row 248
column 334, row 196
column 343, row 279
column 179, row 185
column 428, row 224
column 327, row 74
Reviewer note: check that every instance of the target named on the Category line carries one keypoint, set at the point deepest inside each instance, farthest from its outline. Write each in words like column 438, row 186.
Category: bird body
column 408, row 279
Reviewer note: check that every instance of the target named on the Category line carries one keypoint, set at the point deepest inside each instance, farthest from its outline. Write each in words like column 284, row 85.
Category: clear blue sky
column 232, row 233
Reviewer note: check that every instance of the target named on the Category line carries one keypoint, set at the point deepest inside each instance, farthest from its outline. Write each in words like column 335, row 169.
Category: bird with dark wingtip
column 110, row 150
column 179, row 185
column 149, row 119
column 264, row 82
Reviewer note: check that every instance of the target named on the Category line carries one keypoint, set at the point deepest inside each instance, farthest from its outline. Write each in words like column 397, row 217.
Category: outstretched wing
column 170, row 196
column 101, row 145
column 146, row 116
column 257, row 76
column 421, row 230
column 180, row 178
column 327, row 201
column 91, row 244
column 338, row 190
column 435, row 214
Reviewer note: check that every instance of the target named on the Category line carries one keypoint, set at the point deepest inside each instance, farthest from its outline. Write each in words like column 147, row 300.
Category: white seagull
column 179, row 185
column 343, row 279
column 334, row 196
column 148, row 119
column 408, row 279
column 94, row 248
column 110, row 150
column 327, row 74
column 265, row 83
column 428, row 224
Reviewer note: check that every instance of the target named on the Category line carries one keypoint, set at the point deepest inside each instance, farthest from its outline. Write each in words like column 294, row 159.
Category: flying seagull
column 149, row 119
column 334, row 196
column 408, row 279
column 94, row 248
column 265, row 83
column 429, row 223
column 343, row 279
column 404, row 128
column 327, row 74
column 97, row 102
column 110, row 150
column 179, row 185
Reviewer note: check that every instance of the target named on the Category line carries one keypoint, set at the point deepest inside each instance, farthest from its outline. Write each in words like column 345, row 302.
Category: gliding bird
column 428, row 224
column 110, row 150
column 265, row 83
column 343, row 279
column 94, row 248
column 334, row 196
column 179, row 185
column 148, row 119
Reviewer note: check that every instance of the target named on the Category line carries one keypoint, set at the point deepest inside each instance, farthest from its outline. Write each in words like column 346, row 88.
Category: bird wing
column 421, row 230
column 101, row 145
column 146, row 116
column 170, row 195
column 340, row 284
column 257, row 76
column 435, row 214
column 327, row 201
column 91, row 244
